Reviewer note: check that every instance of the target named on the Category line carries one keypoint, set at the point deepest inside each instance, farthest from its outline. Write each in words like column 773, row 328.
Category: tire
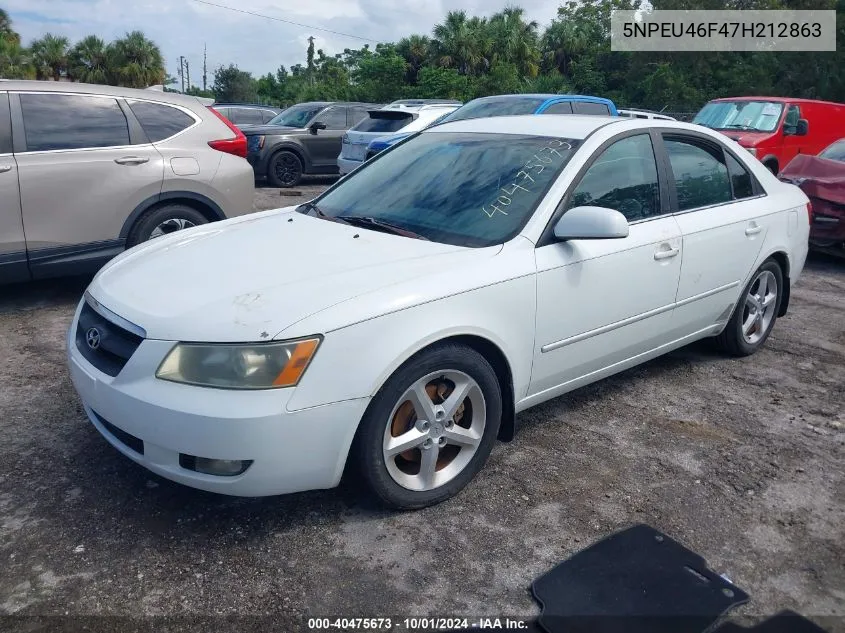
column 163, row 220
column 285, row 169
column 733, row 339
column 772, row 166
column 441, row 443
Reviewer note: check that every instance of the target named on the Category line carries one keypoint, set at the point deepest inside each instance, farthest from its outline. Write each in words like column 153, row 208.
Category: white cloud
column 181, row 27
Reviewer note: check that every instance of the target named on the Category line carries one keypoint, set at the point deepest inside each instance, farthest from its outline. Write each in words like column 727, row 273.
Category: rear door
column 724, row 217
column 324, row 146
column 82, row 171
column 12, row 241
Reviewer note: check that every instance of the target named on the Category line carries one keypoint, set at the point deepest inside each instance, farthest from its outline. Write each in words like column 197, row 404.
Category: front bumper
column 291, row 451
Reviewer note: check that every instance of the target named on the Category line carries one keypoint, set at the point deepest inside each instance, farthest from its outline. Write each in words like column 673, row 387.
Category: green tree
column 380, row 76
column 416, row 50
column 434, row 82
column 135, row 62
column 88, row 61
column 515, row 41
column 459, row 43
column 234, row 85
column 7, row 33
column 49, row 56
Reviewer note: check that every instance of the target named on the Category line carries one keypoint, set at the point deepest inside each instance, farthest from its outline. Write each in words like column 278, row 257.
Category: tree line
column 468, row 56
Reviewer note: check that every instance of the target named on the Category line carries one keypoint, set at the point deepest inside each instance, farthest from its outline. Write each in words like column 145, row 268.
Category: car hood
column 746, row 139
column 249, row 278
column 818, row 177
column 269, row 130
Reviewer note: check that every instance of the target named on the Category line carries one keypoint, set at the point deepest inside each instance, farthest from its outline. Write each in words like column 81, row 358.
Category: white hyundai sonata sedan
column 394, row 326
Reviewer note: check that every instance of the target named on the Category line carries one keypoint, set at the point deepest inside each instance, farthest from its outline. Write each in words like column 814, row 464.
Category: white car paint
column 562, row 314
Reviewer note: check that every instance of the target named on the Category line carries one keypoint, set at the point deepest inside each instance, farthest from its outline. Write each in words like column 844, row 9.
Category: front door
column 80, row 175
column 723, row 218
column 324, row 146
column 12, row 241
column 603, row 302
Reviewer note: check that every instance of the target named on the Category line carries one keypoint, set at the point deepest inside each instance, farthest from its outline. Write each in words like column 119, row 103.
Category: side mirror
column 317, row 125
column 591, row 223
column 802, row 128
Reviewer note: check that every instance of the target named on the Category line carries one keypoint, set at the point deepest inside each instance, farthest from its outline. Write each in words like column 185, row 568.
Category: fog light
column 219, row 467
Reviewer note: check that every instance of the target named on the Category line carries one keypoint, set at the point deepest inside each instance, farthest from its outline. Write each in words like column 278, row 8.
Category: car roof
column 778, row 100
column 244, row 105
column 574, row 126
column 545, row 97
column 114, row 91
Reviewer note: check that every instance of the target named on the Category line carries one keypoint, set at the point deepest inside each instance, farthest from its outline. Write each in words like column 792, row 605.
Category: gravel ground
column 740, row 460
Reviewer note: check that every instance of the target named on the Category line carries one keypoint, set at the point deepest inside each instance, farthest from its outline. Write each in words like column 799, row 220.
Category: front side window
column 466, row 189
column 297, row 116
column 752, row 116
column 624, row 178
column 60, row 121
column 790, row 121
column 334, row 118
column 160, row 121
column 835, row 151
column 492, row 106
column 699, row 171
column 5, row 125
column 561, row 107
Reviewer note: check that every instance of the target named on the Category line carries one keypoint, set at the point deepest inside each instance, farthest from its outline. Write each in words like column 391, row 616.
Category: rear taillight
column 235, row 146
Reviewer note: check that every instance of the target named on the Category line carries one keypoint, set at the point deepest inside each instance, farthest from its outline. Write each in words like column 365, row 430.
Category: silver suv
column 88, row 171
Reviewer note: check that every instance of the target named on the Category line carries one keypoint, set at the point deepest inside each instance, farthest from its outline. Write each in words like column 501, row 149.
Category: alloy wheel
column 759, row 309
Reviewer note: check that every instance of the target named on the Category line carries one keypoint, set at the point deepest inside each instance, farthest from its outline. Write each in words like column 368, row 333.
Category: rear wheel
column 430, row 429
column 772, row 166
column 164, row 220
column 756, row 313
column 285, row 169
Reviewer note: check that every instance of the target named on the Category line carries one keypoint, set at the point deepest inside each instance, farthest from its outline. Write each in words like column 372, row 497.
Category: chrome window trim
column 187, row 111
column 118, row 320
column 720, row 204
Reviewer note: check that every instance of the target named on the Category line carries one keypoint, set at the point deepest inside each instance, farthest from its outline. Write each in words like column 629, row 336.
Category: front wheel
column 162, row 221
column 285, row 169
column 430, row 428
column 756, row 313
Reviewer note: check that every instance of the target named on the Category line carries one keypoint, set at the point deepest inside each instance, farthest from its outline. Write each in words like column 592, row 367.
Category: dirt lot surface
column 740, row 460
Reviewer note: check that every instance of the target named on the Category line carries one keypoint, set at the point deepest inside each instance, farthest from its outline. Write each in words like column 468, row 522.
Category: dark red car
column 822, row 178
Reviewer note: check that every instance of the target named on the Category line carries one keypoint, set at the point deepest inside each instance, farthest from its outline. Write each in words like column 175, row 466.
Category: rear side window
column 562, row 107
column 394, row 122
column 160, row 121
column 483, row 108
column 624, row 178
column 355, row 115
column 743, row 186
column 59, row 121
column 700, row 173
column 5, row 125
column 585, row 107
column 266, row 115
column 334, row 118
column 245, row 116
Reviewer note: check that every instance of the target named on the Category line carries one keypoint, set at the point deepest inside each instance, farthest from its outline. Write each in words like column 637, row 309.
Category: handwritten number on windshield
column 537, row 163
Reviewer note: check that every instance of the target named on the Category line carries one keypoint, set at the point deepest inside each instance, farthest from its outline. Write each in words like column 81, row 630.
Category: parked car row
column 88, row 171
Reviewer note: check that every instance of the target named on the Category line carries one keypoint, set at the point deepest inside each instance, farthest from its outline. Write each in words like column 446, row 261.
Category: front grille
column 110, row 346
column 130, row 441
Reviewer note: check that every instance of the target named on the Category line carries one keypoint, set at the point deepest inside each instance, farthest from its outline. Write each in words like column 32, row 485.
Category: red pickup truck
column 776, row 129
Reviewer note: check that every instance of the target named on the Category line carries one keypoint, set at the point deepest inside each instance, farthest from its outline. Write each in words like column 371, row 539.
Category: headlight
column 239, row 366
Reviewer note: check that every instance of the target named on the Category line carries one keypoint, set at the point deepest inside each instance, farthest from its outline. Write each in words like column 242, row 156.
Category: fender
column 213, row 207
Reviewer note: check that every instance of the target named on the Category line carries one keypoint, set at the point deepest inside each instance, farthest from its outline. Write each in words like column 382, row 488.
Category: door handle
column 5, row 168
column 666, row 254
column 131, row 160
column 753, row 229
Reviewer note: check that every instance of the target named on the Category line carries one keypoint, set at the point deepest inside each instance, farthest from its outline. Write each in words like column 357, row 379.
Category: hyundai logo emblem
column 92, row 337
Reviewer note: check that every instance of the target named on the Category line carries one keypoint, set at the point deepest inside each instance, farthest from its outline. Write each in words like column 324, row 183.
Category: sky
column 182, row 27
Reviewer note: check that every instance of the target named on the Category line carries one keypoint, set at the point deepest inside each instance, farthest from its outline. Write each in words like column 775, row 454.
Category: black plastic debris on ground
column 636, row 581
column 783, row 622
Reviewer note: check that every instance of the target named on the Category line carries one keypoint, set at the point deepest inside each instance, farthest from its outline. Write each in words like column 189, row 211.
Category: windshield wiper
column 368, row 222
column 312, row 206
column 737, row 126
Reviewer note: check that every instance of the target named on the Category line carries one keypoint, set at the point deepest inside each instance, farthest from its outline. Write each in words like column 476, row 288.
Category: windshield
column 464, row 189
column 482, row 108
column 756, row 116
column 835, row 151
column 297, row 116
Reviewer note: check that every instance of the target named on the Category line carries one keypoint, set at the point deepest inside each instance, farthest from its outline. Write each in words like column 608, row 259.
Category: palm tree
column 515, row 41
column 564, row 41
column 49, row 54
column 458, row 42
column 88, row 61
column 135, row 61
column 416, row 50
column 14, row 61
column 7, row 33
